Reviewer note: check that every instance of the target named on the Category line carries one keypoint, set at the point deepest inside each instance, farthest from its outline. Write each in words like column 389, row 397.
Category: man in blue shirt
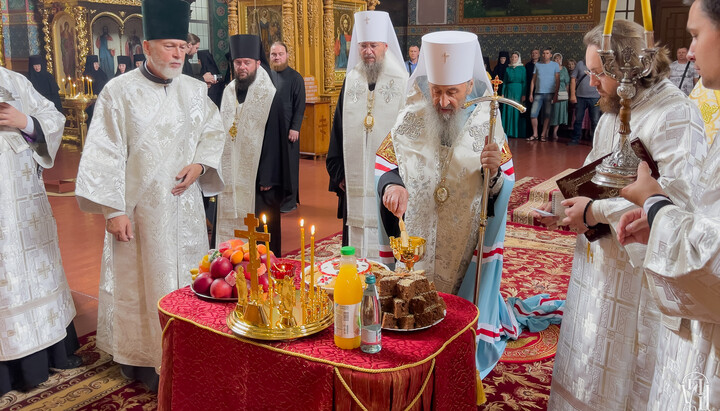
column 413, row 53
column 586, row 97
column 543, row 92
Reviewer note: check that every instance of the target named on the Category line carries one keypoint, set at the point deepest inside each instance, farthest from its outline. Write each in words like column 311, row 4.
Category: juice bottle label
column 347, row 320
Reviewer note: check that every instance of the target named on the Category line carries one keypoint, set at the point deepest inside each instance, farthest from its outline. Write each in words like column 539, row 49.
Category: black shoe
column 573, row 143
column 73, row 361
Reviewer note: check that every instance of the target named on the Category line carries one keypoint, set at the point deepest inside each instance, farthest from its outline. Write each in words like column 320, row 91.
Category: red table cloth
column 205, row 366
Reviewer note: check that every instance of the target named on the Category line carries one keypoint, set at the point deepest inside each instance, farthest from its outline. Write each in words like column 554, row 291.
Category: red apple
column 202, row 284
column 263, row 281
column 224, row 247
column 220, row 289
column 220, row 267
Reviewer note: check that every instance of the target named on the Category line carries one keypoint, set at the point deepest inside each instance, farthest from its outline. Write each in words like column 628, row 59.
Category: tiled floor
column 81, row 235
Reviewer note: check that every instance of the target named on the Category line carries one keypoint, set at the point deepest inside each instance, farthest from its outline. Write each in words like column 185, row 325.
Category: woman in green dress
column 559, row 107
column 514, row 88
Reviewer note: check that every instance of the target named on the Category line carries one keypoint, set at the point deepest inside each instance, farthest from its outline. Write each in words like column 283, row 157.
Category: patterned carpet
column 536, row 261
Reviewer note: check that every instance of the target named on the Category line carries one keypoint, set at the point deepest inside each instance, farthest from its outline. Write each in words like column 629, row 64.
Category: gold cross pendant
column 233, row 131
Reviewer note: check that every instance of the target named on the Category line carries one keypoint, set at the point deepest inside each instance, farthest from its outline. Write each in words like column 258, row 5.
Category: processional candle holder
column 283, row 312
column 409, row 254
column 620, row 168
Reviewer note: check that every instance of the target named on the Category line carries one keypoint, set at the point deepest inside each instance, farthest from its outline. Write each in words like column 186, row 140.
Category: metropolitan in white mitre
column 430, row 168
column 608, row 343
column 152, row 151
column 682, row 261
column 371, row 97
column 255, row 158
column 36, row 308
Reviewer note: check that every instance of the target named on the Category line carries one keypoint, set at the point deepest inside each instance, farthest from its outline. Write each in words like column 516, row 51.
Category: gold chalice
column 411, row 253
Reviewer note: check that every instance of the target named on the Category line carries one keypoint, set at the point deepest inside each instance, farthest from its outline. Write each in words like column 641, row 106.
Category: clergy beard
column 372, row 70
column 446, row 126
column 242, row 84
column 610, row 104
column 164, row 69
column 278, row 67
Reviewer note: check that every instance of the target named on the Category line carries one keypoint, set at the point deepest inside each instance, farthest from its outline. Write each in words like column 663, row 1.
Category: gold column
column 80, row 14
column 233, row 17
column 46, row 38
column 288, row 31
column 328, row 43
column 2, row 43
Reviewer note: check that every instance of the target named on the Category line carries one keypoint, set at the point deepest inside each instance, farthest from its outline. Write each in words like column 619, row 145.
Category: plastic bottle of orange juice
column 348, row 295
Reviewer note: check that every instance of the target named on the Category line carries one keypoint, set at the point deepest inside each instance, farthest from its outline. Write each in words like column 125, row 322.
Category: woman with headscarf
column 98, row 77
column 559, row 107
column 500, row 68
column 43, row 81
column 138, row 59
column 124, row 64
column 515, row 89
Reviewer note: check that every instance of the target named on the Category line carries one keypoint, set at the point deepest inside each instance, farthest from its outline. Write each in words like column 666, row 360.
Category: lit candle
column 63, row 86
column 302, row 259
column 647, row 15
column 610, row 17
column 91, row 90
column 73, row 88
column 267, row 246
column 312, row 263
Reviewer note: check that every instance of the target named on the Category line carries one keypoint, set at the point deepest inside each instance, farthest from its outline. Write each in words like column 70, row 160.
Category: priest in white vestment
column 152, row 151
column 430, row 168
column 371, row 97
column 608, row 339
column 255, row 159
column 682, row 261
column 36, row 308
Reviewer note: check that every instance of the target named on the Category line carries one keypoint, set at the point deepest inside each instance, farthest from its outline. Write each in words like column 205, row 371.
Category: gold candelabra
column 283, row 312
column 620, row 168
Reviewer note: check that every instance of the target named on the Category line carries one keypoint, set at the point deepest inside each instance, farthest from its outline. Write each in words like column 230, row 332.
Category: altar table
column 206, row 367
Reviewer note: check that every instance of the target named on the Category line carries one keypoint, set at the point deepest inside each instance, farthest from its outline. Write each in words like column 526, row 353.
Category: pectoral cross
column 445, row 57
column 253, row 236
column 233, row 131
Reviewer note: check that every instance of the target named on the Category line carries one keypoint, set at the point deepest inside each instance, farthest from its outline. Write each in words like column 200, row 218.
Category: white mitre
column 448, row 58
column 373, row 26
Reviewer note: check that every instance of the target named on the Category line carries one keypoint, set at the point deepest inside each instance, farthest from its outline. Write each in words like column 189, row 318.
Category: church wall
column 562, row 37
column 21, row 33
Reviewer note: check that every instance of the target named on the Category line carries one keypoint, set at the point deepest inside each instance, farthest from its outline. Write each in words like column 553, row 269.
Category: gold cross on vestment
column 496, row 82
column 253, row 236
column 27, row 172
column 445, row 57
column 367, row 20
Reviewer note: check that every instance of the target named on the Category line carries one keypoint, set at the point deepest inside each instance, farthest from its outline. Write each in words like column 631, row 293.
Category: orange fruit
column 204, row 265
column 236, row 243
column 246, row 256
column 261, row 249
column 237, row 257
column 246, row 247
column 227, row 253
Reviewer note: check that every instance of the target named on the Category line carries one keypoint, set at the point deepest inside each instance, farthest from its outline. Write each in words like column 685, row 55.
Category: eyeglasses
column 596, row 75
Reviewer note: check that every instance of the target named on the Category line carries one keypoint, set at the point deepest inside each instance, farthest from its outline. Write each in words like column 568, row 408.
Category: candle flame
column 312, row 230
column 302, row 222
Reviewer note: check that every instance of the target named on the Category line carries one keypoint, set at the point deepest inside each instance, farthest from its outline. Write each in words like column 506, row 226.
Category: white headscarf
column 373, row 26
column 456, row 66
column 519, row 62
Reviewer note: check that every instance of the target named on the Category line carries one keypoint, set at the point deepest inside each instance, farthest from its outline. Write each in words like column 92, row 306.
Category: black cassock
column 46, row 85
column 335, row 161
column 291, row 87
column 99, row 79
column 273, row 170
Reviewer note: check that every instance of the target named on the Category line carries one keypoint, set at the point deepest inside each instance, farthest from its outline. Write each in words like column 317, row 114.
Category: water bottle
column 370, row 316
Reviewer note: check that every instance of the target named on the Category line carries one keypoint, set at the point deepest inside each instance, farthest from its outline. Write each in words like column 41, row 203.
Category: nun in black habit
column 43, row 81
